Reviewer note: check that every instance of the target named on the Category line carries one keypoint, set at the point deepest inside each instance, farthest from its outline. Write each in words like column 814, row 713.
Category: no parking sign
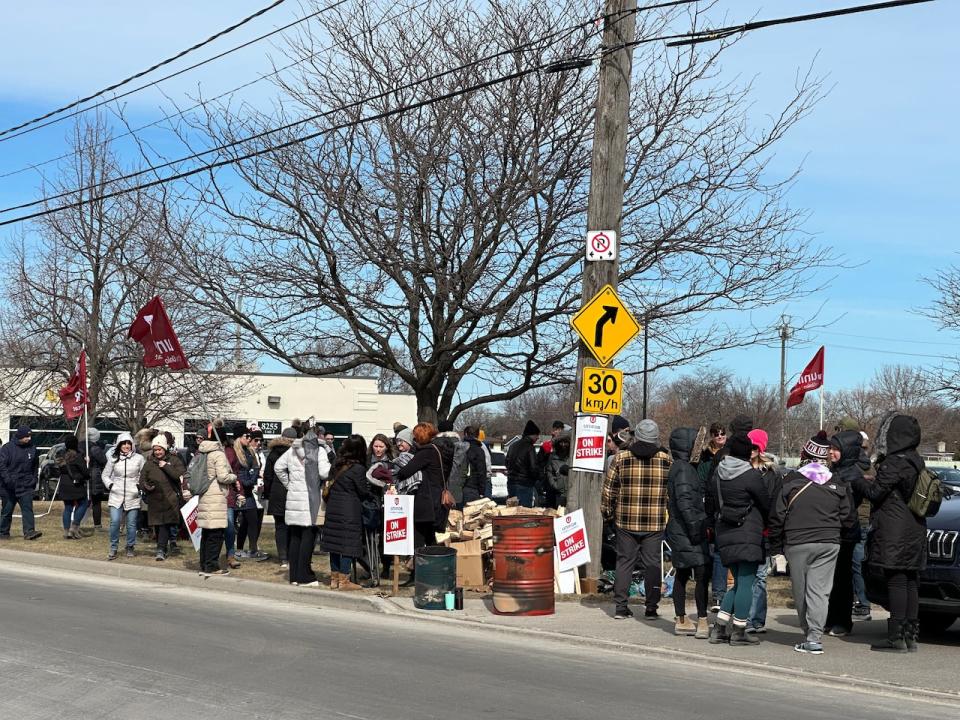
column 601, row 245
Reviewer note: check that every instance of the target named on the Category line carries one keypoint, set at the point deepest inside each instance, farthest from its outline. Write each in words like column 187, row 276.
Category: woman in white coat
column 302, row 509
column 120, row 477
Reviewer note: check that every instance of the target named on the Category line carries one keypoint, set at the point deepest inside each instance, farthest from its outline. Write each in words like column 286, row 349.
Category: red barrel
column 523, row 565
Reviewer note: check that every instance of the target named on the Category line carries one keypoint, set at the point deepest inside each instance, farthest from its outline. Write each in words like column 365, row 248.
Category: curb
column 275, row 591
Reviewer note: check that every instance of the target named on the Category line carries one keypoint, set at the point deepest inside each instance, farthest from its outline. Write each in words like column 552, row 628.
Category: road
column 94, row 647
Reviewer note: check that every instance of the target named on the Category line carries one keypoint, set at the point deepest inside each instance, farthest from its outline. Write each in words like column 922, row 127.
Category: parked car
column 498, row 475
column 949, row 475
column 940, row 581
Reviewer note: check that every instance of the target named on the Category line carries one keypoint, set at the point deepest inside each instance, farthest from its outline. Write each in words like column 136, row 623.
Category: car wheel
column 935, row 623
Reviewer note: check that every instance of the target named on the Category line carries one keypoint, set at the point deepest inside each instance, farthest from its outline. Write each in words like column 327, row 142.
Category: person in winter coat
column 634, row 499
column 431, row 459
column 343, row 527
column 709, row 459
column 380, row 450
column 19, row 461
column 73, row 487
column 303, row 506
column 808, row 517
column 120, row 477
column 523, row 471
column 245, row 464
column 557, row 471
column 898, row 542
column 772, row 475
column 161, row 469
column 846, row 448
column 240, row 437
column 212, row 508
column 739, row 501
column 98, row 461
column 275, row 493
column 687, row 529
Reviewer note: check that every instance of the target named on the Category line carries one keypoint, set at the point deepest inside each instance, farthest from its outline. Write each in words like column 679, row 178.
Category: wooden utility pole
column 604, row 212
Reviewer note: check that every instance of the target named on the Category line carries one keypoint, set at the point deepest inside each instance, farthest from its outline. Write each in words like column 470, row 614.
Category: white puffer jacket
column 120, row 477
column 291, row 472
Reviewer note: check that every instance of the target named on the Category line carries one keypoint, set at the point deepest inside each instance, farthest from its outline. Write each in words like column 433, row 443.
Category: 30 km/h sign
column 601, row 391
column 605, row 325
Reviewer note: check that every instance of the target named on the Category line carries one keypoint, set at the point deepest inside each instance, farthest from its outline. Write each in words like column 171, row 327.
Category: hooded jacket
column 522, row 466
column 809, row 508
column 122, row 475
column 635, row 488
column 742, row 487
column 898, row 540
column 687, row 517
column 847, row 470
column 343, row 526
column 273, row 490
column 292, row 474
column 212, row 510
column 476, row 460
column 73, row 476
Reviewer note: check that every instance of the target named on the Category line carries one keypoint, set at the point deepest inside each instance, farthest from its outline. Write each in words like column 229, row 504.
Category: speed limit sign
column 601, row 391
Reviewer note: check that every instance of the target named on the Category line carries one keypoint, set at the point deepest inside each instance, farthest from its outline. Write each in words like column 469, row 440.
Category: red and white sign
column 398, row 525
column 810, row 379
column 73, row 395
column 590, row 448
column 571, row 534
column 152, row 329
column 601, row 245
column 189, row 513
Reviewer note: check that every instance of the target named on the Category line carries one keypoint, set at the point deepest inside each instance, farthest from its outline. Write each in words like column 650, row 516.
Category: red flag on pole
column 810, row 379
column 152, row 329
column 73, row 395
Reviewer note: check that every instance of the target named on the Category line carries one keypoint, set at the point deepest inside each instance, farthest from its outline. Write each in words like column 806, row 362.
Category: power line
column 889, row 339
column 385, row 18
column 876, row 350
column 145, row 86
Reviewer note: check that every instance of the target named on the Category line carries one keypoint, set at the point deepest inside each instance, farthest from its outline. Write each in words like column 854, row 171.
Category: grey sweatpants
column 811, row 573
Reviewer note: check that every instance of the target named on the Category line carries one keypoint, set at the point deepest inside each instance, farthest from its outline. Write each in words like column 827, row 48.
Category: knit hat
column 320, row 430
column 759, row 438
column 397, row 427
column 531, row 428
column 648, row 432
column 93, row 435
column 70, row 443
column 741, row 424
column 817, row 447
column 406, row 434
column 290, row 433
column 847, row 423
column 619, row 423
column 740, row 446
column 256, row 434
column 447, row 426
column 22, row 432
column 160, row 441
column 558, row 425
column 239, row 430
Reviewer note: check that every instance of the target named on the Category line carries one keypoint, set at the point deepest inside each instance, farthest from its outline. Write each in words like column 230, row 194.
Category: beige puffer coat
column 212, row 510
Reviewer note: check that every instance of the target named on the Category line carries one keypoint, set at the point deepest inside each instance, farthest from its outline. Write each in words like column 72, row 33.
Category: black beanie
column 739, row 446
column 619, row 423
column 531, row 428
column 741, row 424
column 445, row 426
column 70, row 443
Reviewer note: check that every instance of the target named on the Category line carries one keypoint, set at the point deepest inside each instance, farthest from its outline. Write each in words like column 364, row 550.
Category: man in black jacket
column 475, row 467
column 523, row 473
column 19, row 462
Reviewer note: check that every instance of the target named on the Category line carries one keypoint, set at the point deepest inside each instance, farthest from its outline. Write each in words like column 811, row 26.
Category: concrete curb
column 315, row 597
column 385, row 606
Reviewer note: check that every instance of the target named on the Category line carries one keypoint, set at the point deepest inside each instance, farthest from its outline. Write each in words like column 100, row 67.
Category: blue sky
column 879, row 152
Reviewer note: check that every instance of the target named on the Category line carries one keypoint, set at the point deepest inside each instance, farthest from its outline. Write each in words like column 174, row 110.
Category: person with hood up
column 634, row 498
column 73, row 487
column 558, row 469
column 687, row 529
column 898, row 541
column 98, row 461
column 846, row 447
column 301, row 513
column 121, row 477
column 809, row 515
column 343, row 527
column 275, row 493
column 739, row 501
column 162, row 469
column 212, row 508
column 523, row 472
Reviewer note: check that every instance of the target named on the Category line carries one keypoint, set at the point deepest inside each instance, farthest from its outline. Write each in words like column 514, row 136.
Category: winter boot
column 347, row 584
column 703, row 629
column 739, row 637
column 719, row 633
column 75, row 531
column 67, row 535
column 894, row 641
column 683, row 626
column 911, row 634
column 334, row 580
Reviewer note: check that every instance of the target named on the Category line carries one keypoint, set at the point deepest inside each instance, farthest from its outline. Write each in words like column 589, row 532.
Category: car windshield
column 951, row 476
column 498, row 458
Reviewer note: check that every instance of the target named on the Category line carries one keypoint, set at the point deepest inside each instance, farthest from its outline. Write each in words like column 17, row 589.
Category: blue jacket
column 18, row 467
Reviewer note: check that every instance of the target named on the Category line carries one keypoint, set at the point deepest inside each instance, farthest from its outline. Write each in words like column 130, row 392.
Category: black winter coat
column 343, row 527
column 98, row 461
column 426, row 458
column 807, row 512
column 522, row 466
column 898, row 539
column 743, row 488
column 687, row 517
column 846, row 472
column 273, row 490
column 73, row 477
column 18, row 467
column 476, row 478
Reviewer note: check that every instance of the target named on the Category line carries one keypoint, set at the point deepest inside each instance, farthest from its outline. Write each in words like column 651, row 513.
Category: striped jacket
column 635, row 489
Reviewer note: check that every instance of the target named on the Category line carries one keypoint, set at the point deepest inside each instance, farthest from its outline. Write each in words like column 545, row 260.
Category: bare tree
column 946, row 313
column 445, row 242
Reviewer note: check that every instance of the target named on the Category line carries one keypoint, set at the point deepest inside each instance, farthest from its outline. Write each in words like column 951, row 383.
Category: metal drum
column 523, row 565
column 436, row 575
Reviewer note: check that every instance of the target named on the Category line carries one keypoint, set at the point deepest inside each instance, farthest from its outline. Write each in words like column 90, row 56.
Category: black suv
column 940, row 582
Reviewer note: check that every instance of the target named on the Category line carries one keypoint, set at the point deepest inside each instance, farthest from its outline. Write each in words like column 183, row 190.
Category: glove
column 564, row 469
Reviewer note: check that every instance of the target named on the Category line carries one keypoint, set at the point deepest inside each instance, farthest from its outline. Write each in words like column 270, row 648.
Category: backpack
column 198, row 481
column 927, row 494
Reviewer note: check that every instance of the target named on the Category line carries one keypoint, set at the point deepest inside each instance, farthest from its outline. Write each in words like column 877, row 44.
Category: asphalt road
column 78, row 648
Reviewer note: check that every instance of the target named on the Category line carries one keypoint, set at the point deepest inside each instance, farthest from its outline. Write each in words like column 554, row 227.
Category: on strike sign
column 189, row 513
column 590, row 449
column 571, row 533
column 398, row 525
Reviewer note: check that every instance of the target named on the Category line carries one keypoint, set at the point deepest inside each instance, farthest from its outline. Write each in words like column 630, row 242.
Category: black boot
column 739, row 636
column 911, row 634
column 719, row 633
column 894, row 641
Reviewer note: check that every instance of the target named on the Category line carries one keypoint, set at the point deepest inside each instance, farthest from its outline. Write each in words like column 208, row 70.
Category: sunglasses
column 719, row 434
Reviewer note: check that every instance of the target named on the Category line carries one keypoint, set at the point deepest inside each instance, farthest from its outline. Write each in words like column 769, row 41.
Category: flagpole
column 821, row 407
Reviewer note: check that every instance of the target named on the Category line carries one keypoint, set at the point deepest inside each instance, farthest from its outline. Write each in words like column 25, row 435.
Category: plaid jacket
column 635, row 491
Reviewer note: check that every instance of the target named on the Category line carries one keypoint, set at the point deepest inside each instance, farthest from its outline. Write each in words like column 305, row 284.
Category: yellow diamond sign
column 605, row 325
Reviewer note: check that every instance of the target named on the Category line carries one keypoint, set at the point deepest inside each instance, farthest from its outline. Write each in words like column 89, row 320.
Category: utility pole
column 646, row 349
column 784, row 336
column 604, row 212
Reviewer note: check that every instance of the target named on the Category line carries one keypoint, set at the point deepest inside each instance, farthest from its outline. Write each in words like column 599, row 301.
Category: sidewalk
column 847, row 662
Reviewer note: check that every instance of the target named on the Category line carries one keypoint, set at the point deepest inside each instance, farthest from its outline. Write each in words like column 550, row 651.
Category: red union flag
column 73, row 395
column 810, row 379
column 152, row 329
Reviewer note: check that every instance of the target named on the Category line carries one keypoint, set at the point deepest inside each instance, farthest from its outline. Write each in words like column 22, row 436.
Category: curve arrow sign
column 609, row 316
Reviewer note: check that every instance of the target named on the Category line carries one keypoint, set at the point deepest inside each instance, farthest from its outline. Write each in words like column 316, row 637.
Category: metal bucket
column 523, row 565
column 436, row 575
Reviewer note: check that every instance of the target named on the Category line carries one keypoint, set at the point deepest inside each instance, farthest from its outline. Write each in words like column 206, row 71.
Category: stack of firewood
column 475, row 522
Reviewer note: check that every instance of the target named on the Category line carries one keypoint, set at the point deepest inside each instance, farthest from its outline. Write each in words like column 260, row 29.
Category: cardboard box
column 471, row 564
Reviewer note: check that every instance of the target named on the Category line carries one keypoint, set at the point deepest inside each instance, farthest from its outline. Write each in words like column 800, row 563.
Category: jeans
column 115, row 515
column 231, row 532
column 526, row 494
column 736, row 603
column 758, row 608
column 26, row 510
column 719, row 581
column 211, row 540
column 630, row 547
column 340, row 563
column 859, row 588
column 73, row 512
